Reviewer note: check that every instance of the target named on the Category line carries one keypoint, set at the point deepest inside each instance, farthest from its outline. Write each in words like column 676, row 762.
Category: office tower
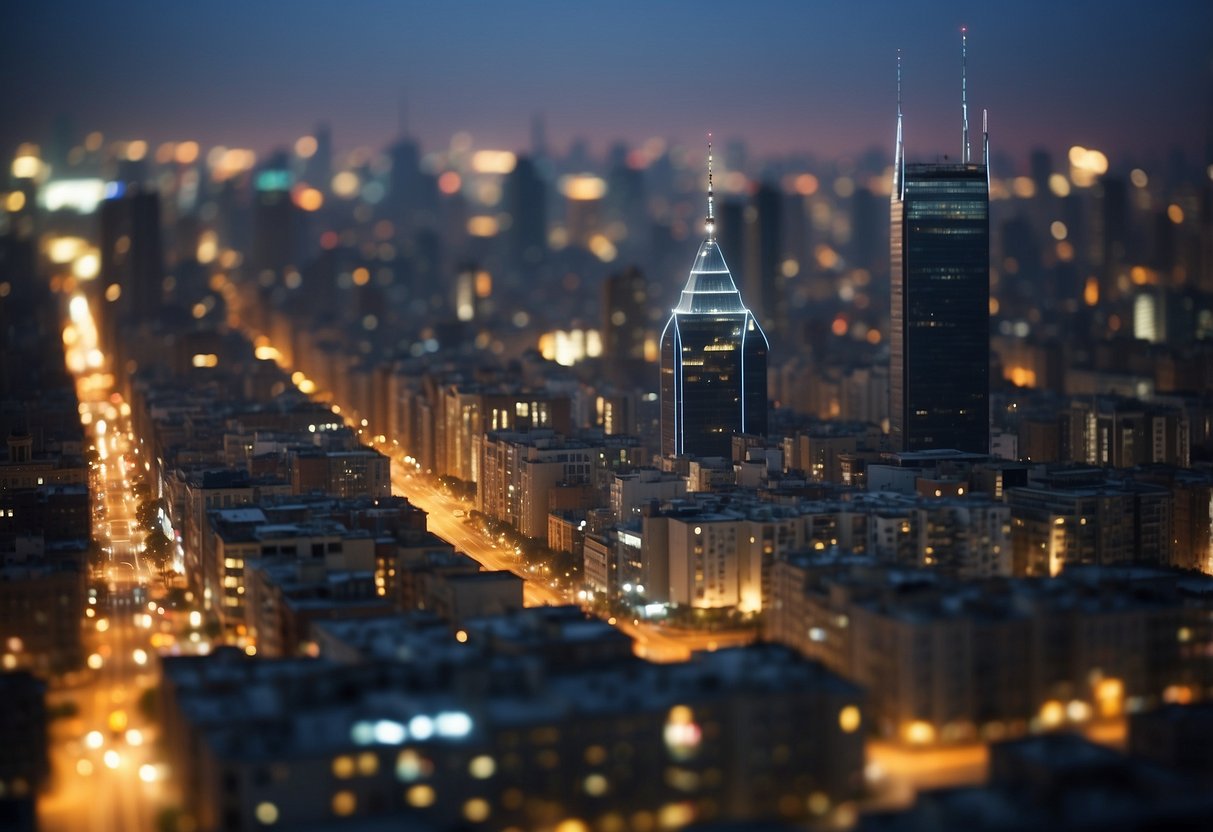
column 412, row 203
column 626, row 216
column 866, row 219
column 131, row 253
column 764, row 260
column 939, row 384
column 318, row 168
column 1040, row 163
column 1112, row 237
column 713, row 359
column 275, row 224
column 625, row 325
column 730, row 226
column 524, row 196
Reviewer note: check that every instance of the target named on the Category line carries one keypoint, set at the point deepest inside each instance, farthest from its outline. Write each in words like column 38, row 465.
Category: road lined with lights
column 104, row 774
column 652, row 641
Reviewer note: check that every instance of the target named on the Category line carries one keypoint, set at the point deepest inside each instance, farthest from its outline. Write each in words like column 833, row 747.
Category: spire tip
column 710, row 225
column 966, row 154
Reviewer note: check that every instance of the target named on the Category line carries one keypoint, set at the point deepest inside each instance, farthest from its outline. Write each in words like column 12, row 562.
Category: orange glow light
column 1090, row 293
column 806, row 184
column 450, row 183
column 309, row 199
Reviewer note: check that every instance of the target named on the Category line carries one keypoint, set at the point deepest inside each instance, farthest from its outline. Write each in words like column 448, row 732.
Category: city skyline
column 807, row 80
column 371, row 458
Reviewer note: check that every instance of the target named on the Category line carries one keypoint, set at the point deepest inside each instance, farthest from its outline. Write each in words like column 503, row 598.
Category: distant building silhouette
column 132, row 256
column 939, row 376
column 318, row 168
column 525, row 199
column 713, row 360
column 730, row 226
column 625, row 325
column 764, row 256
column 274, row 225
column 412, row 198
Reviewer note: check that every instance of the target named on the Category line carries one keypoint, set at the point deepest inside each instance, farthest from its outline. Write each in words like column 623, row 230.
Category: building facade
column 713, row 360
column 939, row 361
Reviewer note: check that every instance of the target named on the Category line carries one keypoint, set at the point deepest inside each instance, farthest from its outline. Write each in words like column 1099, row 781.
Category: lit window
column 482, row 767
column 476, row 810
column 343, row 767
column 266, row 813
column 419, row 797
column 368, row 763
column 344, row 803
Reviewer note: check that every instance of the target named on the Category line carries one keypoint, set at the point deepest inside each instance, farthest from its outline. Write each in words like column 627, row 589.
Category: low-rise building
column 947, row 660
column 522, row 720
column 1059, row 781
column 1078, row 515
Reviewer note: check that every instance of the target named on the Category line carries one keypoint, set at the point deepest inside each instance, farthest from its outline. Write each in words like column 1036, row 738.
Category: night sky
column 1134, row 79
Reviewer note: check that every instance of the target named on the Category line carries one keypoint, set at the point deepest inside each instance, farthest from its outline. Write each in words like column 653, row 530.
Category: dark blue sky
column 1132, row 78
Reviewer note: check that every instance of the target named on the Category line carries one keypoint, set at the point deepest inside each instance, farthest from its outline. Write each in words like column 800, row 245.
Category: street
column 104, row 771
column 652, row 641
column 105, row 774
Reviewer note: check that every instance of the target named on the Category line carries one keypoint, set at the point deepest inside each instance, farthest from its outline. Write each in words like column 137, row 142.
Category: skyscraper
column 764, row 256
column 939, row 374
column 626, row 325
column 713, row 359
column 524, row 196
column 275, row 224
column 132, row 256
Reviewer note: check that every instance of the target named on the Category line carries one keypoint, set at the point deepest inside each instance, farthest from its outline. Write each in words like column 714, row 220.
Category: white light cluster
column 445, row 725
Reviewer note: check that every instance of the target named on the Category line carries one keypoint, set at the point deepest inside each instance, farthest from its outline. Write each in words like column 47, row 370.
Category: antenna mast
column 711, row 221
column 964, row 93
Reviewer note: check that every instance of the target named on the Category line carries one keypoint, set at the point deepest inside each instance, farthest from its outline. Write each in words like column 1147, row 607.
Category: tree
column 159, row 548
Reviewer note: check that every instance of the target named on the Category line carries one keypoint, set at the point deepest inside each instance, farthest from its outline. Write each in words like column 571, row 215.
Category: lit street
column 653, row 641
column 515, row 422
column 105, row 773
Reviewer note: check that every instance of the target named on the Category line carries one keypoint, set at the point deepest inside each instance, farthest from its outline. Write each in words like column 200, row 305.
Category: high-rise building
column 275, row 225
column 764, row 256
column 524, row 195
column 625, row 325
column 132, row 256
column 318, row 168
column 412, row 201
column 713, row 359
column 939, row 373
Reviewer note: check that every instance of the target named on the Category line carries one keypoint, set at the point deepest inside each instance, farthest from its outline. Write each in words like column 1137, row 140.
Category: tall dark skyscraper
column 713, row 359
column 524, row 195
column 132, row 256
column 625, row 325
column 764, row 256
column 939, row 374
column 275, row 225
column 318, row 168
column 411, row 199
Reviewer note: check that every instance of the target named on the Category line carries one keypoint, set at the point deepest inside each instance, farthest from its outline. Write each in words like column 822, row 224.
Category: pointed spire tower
column 899, row 153
column 713, row 357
